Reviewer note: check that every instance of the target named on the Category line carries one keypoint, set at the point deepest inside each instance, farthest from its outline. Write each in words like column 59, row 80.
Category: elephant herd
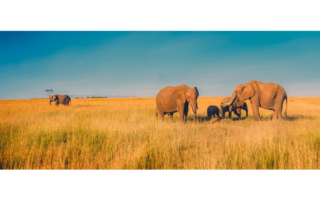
column 269, row 96
column 171, row 99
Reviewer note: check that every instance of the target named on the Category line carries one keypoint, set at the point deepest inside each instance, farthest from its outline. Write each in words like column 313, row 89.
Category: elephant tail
column 70, row 102
column 286, row 112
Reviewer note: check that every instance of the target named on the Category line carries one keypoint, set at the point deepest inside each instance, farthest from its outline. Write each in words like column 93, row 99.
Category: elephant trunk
column 198, row 108
column 50, row 103
column 194, row 112
column 193, row 106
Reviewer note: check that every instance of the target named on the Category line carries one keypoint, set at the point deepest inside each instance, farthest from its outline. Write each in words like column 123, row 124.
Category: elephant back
column 64, row 99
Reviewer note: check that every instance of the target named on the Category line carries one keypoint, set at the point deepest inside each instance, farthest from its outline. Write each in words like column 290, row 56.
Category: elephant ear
column 55, row 97
column 197, row 92
column 247, row 92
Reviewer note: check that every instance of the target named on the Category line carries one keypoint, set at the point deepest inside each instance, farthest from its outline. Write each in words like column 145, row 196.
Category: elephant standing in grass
column 60, row 99
column 212, row 111
column 177, row 99
column 265, row 95
column 236, row 109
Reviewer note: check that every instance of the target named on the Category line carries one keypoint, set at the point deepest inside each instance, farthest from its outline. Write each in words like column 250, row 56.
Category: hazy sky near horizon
column 83, row 63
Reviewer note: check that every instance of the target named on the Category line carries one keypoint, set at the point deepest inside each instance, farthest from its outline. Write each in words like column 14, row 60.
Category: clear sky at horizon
column 106, row 63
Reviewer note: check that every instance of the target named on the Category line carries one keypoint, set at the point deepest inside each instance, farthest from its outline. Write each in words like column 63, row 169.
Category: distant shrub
column 97, row 97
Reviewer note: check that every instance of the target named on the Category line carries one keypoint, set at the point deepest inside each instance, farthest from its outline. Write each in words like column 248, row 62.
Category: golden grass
column 123, row 133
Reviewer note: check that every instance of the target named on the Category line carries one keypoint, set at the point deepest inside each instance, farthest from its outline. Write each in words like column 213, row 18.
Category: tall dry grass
column 123, row 133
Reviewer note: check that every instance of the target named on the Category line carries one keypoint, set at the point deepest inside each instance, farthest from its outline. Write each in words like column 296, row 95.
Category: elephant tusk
column 193, row 111
column 226, row 104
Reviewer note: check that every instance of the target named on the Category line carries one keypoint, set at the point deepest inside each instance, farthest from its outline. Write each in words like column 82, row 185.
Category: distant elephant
column 265, row 95
column 60, row 99
column 177, row 99
column 213, row 111
column 236, row 109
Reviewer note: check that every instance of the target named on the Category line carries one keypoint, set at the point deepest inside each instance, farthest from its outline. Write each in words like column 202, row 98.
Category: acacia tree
column 49, row 90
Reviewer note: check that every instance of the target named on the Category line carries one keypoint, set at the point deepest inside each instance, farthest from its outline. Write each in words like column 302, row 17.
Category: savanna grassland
column 123, row 133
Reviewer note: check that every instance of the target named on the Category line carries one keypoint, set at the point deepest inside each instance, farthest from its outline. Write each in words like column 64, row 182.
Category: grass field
column 123, row 133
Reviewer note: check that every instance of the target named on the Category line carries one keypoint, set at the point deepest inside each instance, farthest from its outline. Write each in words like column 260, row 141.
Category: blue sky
column 141, row 63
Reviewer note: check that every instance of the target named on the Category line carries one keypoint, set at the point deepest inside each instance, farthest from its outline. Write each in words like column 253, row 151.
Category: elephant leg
column 185, row 112
column 181, row 113
column 247, row 112
column 278, row 112
column 161, row 114
column 223, row 112
column 218, row 115
column 282, row 110
column 230, row 111
column 255, row 110
column 194, row 119
column 275, row 116
column 239, row 115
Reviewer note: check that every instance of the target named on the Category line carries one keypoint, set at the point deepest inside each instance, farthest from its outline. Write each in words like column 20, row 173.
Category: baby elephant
column 236, row 109
column 213, row 110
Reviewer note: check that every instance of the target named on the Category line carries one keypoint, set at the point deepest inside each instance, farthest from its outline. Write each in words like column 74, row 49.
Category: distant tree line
column 91, row 97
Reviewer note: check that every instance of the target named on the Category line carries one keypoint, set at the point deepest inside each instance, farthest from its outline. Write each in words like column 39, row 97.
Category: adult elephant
column 177, row 99
column 60, row 99
column 241, row 105
column 265, row 95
